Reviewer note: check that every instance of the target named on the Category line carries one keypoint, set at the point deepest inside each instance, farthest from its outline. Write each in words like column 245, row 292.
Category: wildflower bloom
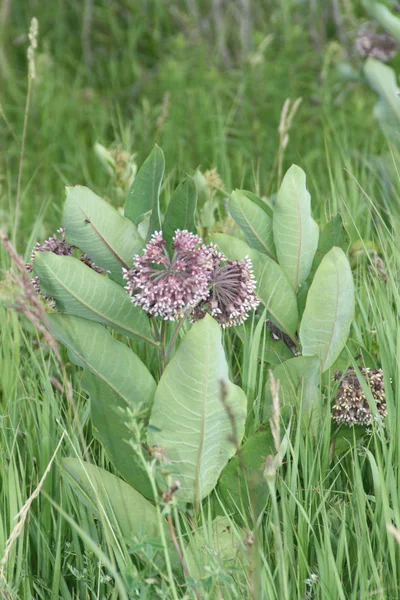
column 169, row 286
column 59, row 246
column 231, row 291
column 351, row 405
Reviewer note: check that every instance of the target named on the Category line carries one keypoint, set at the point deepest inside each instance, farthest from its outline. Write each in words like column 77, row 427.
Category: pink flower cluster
column 168, row 287
column 195, row 280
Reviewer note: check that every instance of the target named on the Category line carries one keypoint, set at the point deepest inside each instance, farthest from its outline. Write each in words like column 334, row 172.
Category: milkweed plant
column 153, row 304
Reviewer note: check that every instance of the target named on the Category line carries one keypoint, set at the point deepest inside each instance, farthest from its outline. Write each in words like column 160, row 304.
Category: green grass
column 323, row 534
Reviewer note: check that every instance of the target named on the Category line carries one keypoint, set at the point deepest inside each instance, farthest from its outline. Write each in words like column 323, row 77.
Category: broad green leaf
column 111, row 430
column 144, row 195
column 115, row 378
column 295, row 231
column 180, row 211
column 254, row 222
column 333, row 234
column 264, row 204
column 242, row 482
column 387, row 110
column 218, row 541
column 114, row 501
column 91, row 346
column 189, row 419
column 382, row 14
column 79, row 290
column 273, row 288
column 329, row 310
column 100, row 231
column 299, row 387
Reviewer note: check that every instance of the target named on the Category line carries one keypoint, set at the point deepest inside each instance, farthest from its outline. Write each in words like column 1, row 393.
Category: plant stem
column 173, row 339
column 21, row 159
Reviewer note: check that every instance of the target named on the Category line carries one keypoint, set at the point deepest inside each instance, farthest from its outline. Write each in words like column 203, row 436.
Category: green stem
column 173, row 339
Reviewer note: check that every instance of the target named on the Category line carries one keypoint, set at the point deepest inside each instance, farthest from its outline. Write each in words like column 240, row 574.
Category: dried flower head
column 371, row 44
column 231, row 291
column 169, row 286
column 351, row 405
column 213, row 179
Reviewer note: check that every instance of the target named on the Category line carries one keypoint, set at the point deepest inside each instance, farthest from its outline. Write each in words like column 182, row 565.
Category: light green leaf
column 387, row 110
column 114, row 501
column 299, row 381
column 144, row 194
column 329, row 310
column 242, row 481
column 79, row 290
column 295, row 231
column 273, row 288
column 189, row 417
column 111, row 430
column 100, row 231
column 218, row 541
column 180, row 211
column 91, row 346
column 382, row 14
column 261, row 202
column 255, row 223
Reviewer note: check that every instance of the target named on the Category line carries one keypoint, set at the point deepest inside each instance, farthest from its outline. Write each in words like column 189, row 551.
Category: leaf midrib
column 96, row 312
column 103, row 239
column 254, row 232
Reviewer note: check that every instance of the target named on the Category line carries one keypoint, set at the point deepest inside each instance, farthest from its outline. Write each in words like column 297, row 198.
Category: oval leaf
column 113, row 500
column 180, row 211
column 144, row 194
column 115, row 379
column 91, row 346
column 100, row 231
column 242, row 481
column 79, row 290
column 273, row 288
column 254, row 222
column 111, row 430
column 295, row 231
column 192, row 424
column 299, row 381
column 329, row 309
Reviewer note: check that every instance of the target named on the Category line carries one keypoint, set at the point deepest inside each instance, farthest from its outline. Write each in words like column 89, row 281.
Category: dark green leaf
column 111, row 430
column 144, row 195
column 180, row 211
column 299, row 387
column 242, row 482
column 333, row 234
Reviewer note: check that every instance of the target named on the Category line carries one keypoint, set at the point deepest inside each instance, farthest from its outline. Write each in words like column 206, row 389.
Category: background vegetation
column 207, row 81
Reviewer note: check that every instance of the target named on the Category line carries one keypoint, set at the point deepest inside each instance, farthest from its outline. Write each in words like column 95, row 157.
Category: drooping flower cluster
column 59, row 246
column 231, row 291
column 168, row 287
column 381, row 46
column 351, row 405
column 197, row 279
